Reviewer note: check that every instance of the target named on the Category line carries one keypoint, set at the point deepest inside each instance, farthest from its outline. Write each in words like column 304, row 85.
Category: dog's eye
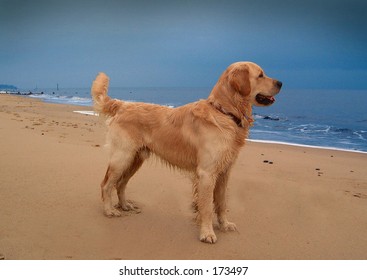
column 261, row 75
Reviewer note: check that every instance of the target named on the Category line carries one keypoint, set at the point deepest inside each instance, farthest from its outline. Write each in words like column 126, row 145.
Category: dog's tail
column 102, row 102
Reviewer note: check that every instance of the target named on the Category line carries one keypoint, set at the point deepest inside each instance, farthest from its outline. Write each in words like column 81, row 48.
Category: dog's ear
column 238, row 78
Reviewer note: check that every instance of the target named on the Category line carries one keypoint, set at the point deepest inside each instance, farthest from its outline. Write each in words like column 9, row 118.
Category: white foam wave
column 89, row 113
column 302, row 145
column 64, row 99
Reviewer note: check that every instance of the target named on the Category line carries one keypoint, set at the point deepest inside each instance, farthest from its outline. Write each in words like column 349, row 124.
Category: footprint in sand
column 319, row 173
column 356, row 194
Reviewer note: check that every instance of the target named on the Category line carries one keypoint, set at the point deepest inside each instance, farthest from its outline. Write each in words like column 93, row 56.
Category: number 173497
column 225, row 270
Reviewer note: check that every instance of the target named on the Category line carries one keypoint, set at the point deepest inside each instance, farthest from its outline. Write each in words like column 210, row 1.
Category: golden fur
column 203, row 138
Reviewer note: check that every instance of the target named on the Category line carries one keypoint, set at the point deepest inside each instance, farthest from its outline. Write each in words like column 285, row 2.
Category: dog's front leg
column 205, row 206
column 220, row 202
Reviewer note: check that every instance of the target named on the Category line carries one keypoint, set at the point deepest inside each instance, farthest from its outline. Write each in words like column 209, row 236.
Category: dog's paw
column 112, row 213
column 228, row 226
column 128, row 206
column 209, row 237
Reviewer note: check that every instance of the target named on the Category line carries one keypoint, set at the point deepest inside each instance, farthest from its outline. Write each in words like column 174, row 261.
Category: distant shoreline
column 22, row 93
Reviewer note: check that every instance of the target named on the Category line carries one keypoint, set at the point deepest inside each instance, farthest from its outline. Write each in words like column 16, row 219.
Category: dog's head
column 242, row 85
column 250, row 81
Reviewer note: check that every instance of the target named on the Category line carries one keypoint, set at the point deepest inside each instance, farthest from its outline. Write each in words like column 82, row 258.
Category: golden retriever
column 203, row 138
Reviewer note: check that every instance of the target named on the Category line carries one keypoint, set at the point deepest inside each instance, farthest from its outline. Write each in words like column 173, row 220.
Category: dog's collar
column 250, row 120
column 238, row 121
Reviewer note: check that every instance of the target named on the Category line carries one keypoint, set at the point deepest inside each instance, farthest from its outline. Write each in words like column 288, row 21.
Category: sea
column 335, row 119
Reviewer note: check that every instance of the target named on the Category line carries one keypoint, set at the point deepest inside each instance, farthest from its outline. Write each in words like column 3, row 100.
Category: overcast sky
column 305, row 44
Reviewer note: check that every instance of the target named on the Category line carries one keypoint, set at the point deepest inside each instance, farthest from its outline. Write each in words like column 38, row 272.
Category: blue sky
column 305, row 44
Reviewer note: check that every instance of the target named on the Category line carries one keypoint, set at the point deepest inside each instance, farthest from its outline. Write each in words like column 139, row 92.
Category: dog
column 203, row 138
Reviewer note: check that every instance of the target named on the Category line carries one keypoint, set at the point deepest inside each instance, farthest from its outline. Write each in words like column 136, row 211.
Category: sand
column 288, row 202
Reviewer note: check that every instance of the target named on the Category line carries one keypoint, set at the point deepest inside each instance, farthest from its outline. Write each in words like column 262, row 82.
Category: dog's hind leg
column 220, row 202
column 126, row 175
column 120, row 161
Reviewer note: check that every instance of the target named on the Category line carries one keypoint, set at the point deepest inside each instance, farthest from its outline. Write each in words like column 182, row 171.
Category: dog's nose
column 279, row 84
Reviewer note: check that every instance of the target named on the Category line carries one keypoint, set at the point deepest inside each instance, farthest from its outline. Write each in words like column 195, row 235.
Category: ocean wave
column 342, row 130
column 63, row 99
column 361, row 135
column 310, row 128
column 315, row 128
column 314, row 134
